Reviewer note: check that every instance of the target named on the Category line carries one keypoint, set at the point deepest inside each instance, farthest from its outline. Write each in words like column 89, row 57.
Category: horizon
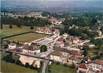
column 50, row 4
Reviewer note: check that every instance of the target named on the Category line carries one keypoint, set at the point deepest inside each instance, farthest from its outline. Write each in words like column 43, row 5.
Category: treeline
column 27, row 21
column 85, row 25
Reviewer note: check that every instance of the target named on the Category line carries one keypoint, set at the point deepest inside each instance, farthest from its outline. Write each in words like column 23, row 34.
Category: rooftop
column 83, row 66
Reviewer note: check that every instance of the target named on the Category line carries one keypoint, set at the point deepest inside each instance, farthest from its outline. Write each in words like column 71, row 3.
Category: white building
column 12, row 46
column 30, row 60
column 55, row 21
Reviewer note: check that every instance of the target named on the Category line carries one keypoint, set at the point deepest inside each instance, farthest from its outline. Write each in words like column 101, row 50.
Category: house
column 60, row 42
column 35, row 14
column 65, row 35
column 30, row 60
column 74, row 41
column 56, row 56
column 91, row 45
column 55, row 31
column 66, row 56
column 36, row 63
column 45, row 30
column 12, row 46
column 82, row 68
column 30, row 49
column 17, row 49
column 96, row 66
column 55, row 21
column 91, row 67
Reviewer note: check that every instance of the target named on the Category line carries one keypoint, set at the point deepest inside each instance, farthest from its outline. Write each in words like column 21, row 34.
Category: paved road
column 45, row 65
column 46, row 62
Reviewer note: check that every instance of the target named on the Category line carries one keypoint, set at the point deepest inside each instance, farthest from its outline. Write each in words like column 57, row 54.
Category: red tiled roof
column 71, row 52
column 61, row 39
column 82, row 66
column 99, row 62
column 56, row 53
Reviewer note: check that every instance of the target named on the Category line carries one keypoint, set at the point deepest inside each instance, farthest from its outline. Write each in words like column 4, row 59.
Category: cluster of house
column 28, row 49
column 55, row 21
column 75, row 41
column 91, row 67
column 66, row 56
column 71, row 41
column 60, row 42
column 47, row 30
column 35, row 14
column 64, row 49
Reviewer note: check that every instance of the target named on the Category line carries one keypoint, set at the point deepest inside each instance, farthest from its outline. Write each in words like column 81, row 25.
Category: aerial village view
column 51, row 36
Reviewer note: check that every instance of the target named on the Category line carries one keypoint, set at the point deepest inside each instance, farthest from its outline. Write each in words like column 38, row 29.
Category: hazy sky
column 50, row 0
column 54, row 3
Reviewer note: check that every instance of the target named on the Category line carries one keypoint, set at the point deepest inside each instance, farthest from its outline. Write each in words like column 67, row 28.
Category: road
column 45, row 65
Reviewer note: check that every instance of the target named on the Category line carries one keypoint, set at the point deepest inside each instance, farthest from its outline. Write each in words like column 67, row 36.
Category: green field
column 26, row 37
column 13, row 68
column 61, row 69
column 6, row 31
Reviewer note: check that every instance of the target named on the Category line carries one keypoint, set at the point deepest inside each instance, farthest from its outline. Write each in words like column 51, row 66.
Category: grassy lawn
column 13, row 68
column 26, row 37
column 61, row 69
column 6, row 31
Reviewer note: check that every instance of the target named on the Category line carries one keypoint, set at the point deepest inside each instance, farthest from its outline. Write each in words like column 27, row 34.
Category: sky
column 49, row 1
column 53, row 3
column 52, row 0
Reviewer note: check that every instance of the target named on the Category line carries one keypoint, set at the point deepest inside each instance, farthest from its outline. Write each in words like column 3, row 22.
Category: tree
column 85, row 51
column 8, row 57
column 10, row 26
column 99, row 53
column 19, row 26
column 27, row 65
column 15, row 57
column 101, row 29
column 5, row 43
column 5, row 46
column 31, row 27
column 1, row 26
column 45, row 13
column 93, row 21
column 43, row 48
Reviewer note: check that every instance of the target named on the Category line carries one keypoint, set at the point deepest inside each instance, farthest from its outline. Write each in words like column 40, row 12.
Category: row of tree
column 27, row 21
